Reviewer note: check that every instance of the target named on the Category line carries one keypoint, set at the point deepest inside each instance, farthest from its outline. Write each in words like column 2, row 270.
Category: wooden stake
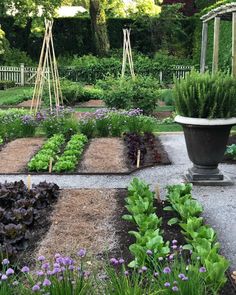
column 29, row 182
column 138, row 158
column 127, row 54
column 158, row 195
column 50, row 165
column 215, row 62
column 234, row 44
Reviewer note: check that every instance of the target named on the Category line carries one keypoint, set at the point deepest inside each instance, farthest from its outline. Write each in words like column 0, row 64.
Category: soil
column 162, row 115
column 104, row 155
column 92, row 103
column 15, row 155
column 26, row 104
column 82, row 219
column 227, row 159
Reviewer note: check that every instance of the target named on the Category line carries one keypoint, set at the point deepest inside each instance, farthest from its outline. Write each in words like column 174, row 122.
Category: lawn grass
column 13, row 96
column 168, row 128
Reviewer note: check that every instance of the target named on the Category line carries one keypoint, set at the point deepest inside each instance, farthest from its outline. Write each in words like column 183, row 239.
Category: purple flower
column 41, row 258
column 121, row 261
column 46, row 282
column 35, row 288
column 167, row 284
column 144, row 268
column 57, row 255
column 160, row 258
column 25, row 269
column 45, row 265
column 114, row 261
column 175, row 289
column 181, row 276
column 149, row 252
column 3, row 277
column 40, row 273
column 174, row 247
column 171, row 256
column 81, row 253
column 71, row 267
column 156, row 274
column 174, row 242
column 202, row 269
column 185, row 279
column 86, row 274
column 5, row 261
column 166, row 270
column 9, row 272
column 126, row 273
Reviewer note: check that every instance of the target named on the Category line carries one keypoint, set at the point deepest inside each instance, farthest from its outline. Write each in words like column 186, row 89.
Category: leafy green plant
column 72, row 154
column 231, row 151
column 141, row 92
column 49, row 151
column 201, row 238
column 206, row 95
column 142, row 212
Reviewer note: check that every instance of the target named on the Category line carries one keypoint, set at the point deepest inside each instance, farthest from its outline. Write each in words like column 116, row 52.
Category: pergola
column 223, row 12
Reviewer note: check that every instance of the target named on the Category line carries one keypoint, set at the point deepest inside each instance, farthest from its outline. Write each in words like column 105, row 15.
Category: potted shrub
column 206, row 108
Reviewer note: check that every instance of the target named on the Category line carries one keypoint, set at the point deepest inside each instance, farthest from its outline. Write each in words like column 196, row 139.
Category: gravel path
column 219, row 202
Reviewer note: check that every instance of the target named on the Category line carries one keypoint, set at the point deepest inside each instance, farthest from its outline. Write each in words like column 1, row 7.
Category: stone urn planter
column 206, row 141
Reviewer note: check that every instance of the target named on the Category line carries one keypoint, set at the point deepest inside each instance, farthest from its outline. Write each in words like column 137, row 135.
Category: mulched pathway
column 92, row 103
column 104, row 155
column 82, row 219
column 16, row 154
column 26, row 104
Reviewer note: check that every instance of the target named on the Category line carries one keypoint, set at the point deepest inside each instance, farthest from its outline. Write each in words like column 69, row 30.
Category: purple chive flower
column 144, row 268
column 9, row 271
column 171, row 256
column 5, row 262
column 174, row 242
column 202, row 269
column 35, row 288
column 3, row 277
column 167, row 284
column 166, row 270
column 57, row 255
column 126, row 273
column 41, row 258
column 39, row 273
column 46, row 283
column 175, row 289
column 71, row 267
column 114, row 261
column 81, row 253
column 149, row 252
column 45, row 265
column 25, row 269
column 156, row 274
column 56, row 270
column 121, row 261
column 160, row 258
column 86, row 274
column 174, row 247
column 181, row 276
column 185, row 279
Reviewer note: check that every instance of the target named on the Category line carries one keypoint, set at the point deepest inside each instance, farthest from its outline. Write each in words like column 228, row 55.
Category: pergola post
column 204, row 47
column 215, row 61
column 234, row 44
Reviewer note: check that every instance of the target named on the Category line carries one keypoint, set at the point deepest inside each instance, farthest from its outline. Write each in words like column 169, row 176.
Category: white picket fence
column 24, row 75
column 20, row 75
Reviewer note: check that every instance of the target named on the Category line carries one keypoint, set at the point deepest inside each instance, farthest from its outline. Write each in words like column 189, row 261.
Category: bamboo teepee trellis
column 127, row 53
column 47, row 72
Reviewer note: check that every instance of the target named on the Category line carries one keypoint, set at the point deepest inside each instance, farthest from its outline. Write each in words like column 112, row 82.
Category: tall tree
column 99, row 26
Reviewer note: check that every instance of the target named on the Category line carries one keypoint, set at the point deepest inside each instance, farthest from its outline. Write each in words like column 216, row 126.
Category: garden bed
column 101, row 156
column 25, row 218
column 15, row 155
